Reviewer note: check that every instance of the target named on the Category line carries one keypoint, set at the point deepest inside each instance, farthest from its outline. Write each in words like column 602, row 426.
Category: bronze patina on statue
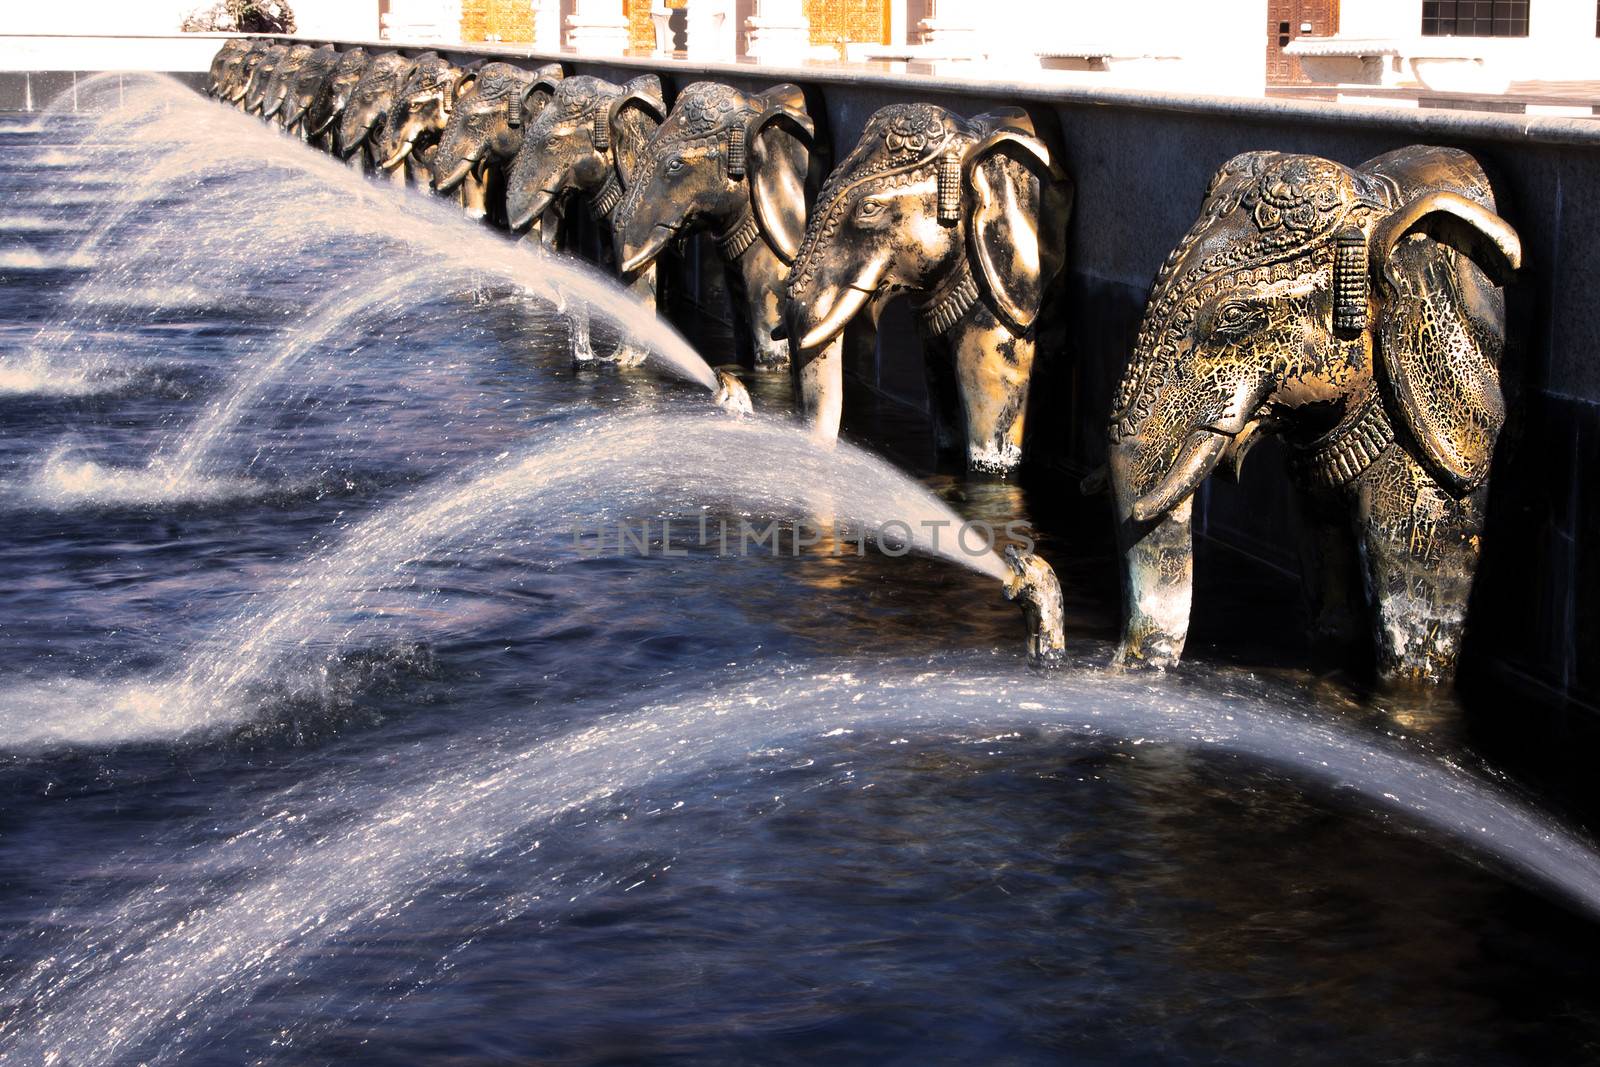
column 969, row 216
column 1355, row 313
column 733, row 163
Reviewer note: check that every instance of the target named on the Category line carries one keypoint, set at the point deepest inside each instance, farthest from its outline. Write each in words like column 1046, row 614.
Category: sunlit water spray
column 154, row 980
column 307, row 226
column 585, row 474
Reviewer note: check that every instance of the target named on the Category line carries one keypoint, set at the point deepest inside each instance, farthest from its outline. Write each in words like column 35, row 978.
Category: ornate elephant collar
column 609, row 196
column 950, row 303
column 736, row 240
column 1341, row 455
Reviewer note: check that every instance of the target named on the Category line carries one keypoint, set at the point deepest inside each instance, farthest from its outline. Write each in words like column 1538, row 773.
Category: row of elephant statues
column 1357, row 313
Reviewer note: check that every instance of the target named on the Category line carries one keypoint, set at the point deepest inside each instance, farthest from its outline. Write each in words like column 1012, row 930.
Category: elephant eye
column 869, row 209
column 1236, row 318
column 675, row 164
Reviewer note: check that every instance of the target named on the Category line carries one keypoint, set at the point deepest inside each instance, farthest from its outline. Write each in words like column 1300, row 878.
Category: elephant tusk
column 454, row 178
column 399, row 156
column 1201, row 452
column 294, row 118
column 267, row 113
column 849, row 304
column 660, row 235
column 322, row 127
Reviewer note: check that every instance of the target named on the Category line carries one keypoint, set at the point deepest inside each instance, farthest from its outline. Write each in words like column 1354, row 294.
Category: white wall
column 1560, row 45
column 328, row 18
column 1221, row 46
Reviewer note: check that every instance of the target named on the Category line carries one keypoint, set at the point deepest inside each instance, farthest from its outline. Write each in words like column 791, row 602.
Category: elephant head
column 228, row 56
column 971, row 215
column 283, row 76
column 261, row 76
column 1355, row 313
column 588, row 141
column 721, row 156
column 335, row 92
column 490, row 111
column 364, row 116
column 307, row 85
column 420, row 110
column 735, row 164
column 238, row 73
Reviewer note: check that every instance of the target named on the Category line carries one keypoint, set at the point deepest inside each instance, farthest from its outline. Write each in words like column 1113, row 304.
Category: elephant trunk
column 537, row 206
column 357, row 136
column 820, row 315
column 635, row 257
column 1034, row 584
column 1157, row 550
column 731, row 395
column 455, row 177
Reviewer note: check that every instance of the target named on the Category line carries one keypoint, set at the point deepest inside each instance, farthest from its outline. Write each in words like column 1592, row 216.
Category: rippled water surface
column 322, row 739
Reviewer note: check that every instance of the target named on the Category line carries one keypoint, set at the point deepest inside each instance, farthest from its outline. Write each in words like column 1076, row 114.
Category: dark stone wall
column 1141, row 162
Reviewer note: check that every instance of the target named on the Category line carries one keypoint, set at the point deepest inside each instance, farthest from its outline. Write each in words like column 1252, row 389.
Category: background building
column 1227, row 47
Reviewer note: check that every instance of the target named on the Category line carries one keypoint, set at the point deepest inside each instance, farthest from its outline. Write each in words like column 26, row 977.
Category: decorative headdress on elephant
column 756, row 154
column 367, row 113
column 1356, row 312
column 1271, row 219
column 336, row 91
column 970, row 215
column 588, row 140
column 421, row 109
column 489, row 110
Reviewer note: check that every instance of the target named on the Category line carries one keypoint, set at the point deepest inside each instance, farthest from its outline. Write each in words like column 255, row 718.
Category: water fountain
column 493, row 721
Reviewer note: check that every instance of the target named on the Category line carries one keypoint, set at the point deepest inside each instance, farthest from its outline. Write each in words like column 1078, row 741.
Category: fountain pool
column 322, row 737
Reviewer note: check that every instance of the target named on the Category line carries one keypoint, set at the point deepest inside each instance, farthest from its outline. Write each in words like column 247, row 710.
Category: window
column 1476, row 18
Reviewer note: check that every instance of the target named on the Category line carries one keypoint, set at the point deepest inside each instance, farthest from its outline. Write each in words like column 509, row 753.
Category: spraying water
column 146, row 980
column 182, row 917
column 588, row 474
column 312, row 227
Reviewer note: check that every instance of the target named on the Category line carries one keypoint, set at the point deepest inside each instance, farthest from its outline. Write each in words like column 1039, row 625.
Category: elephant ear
column 1441, row 328
column 537, row 93
column 1017, row 201
column 631, row 119
column 780, row 140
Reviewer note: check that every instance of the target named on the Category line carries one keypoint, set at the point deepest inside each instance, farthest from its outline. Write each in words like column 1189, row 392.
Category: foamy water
column 67, row 480
column 34, row 375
